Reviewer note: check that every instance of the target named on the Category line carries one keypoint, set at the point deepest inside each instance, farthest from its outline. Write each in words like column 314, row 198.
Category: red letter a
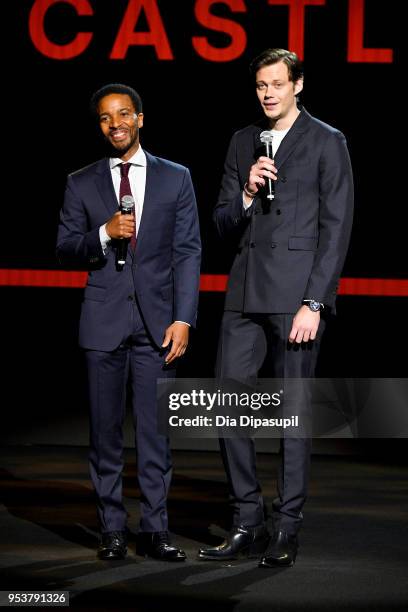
column 156, row 36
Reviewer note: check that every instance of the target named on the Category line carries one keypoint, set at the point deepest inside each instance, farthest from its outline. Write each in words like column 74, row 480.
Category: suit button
column 273, row 245
column 283, row 179
column 278, row 212
column 252, row 245
column 130, row 298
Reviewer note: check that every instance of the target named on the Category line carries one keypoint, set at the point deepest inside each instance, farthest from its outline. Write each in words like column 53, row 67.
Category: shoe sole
column 112, row 558
column 277, row 564
column 168, row 560
column 252, row 553
column 235, row 558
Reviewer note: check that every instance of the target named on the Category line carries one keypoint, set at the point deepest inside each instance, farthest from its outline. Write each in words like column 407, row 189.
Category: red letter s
column 234, row 30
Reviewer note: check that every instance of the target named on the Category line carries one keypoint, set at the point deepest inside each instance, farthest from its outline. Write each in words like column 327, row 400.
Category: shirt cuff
column 246, row 206
column 183, row 322
column 104, row 238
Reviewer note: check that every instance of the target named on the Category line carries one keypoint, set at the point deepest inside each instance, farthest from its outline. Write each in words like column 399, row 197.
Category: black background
column 192, row 106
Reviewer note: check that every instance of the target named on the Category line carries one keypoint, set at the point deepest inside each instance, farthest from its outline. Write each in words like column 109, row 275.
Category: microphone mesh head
column 127, row 202
column 266, row 137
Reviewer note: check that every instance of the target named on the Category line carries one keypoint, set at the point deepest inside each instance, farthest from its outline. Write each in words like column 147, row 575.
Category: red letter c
column 39, row 38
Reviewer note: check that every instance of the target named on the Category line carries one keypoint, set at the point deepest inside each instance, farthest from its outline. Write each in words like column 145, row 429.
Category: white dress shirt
column 137, row 180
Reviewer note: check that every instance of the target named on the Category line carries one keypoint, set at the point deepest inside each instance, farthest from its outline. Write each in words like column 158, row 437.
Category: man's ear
column 298, row 86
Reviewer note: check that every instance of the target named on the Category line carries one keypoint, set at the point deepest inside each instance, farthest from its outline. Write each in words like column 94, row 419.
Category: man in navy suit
column 289, row 251
column 135, row 318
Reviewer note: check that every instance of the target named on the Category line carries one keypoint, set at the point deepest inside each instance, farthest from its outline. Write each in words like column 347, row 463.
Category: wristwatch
column 313, row 305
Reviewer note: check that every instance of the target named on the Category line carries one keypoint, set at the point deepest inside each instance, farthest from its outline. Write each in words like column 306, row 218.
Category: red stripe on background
column 213, row 282
column 42, row 278
column 382, row 287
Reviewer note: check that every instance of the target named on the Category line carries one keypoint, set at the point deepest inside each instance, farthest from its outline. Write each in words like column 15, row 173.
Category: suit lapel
column 105, row 187
column 292, row 138
column 289, row 142
column 151, row 193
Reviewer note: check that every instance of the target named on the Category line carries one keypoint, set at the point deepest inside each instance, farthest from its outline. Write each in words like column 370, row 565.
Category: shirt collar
column 280, row 132
column 138, row 159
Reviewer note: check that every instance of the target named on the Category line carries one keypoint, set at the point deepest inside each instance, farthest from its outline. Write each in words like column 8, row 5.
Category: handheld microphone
column 266, row 139
column 127, row 206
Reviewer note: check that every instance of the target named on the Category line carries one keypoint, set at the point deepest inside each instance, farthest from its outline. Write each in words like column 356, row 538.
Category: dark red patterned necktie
column 125, row 190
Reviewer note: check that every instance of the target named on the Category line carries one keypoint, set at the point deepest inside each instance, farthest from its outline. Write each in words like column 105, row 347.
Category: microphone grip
column 121, row 251
column 270, row 184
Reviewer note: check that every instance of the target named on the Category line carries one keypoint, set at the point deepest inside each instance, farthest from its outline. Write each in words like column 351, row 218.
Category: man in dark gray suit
column 135, row 316
column 289, row 253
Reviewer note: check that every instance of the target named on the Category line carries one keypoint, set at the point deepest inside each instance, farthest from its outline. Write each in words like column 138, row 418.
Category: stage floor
column 353, row 545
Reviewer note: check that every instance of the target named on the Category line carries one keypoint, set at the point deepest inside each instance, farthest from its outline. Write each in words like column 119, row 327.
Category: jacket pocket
column 95, row 293
column 302, row 243
column 296, row 162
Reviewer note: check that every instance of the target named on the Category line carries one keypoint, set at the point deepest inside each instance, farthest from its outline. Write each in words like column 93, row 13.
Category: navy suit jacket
column 164, row 269
column 294, row 248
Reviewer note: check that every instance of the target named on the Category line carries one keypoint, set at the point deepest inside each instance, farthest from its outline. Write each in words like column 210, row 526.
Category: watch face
column 315, row 306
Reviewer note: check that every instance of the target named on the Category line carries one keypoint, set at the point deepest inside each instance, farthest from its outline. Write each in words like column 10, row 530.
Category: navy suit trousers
column 137, row 359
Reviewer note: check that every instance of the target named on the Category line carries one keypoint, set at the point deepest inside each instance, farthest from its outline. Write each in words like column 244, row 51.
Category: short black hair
column 272, row 56
column 115, row 88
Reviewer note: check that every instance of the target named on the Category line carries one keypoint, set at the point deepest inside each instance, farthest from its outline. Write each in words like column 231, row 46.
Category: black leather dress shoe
column 241, row 542
column 282, row 550
column 157, row 545
column 112, row 546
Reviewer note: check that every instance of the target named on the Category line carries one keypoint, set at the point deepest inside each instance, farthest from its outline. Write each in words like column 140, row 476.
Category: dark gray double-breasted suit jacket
column 295, row 248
